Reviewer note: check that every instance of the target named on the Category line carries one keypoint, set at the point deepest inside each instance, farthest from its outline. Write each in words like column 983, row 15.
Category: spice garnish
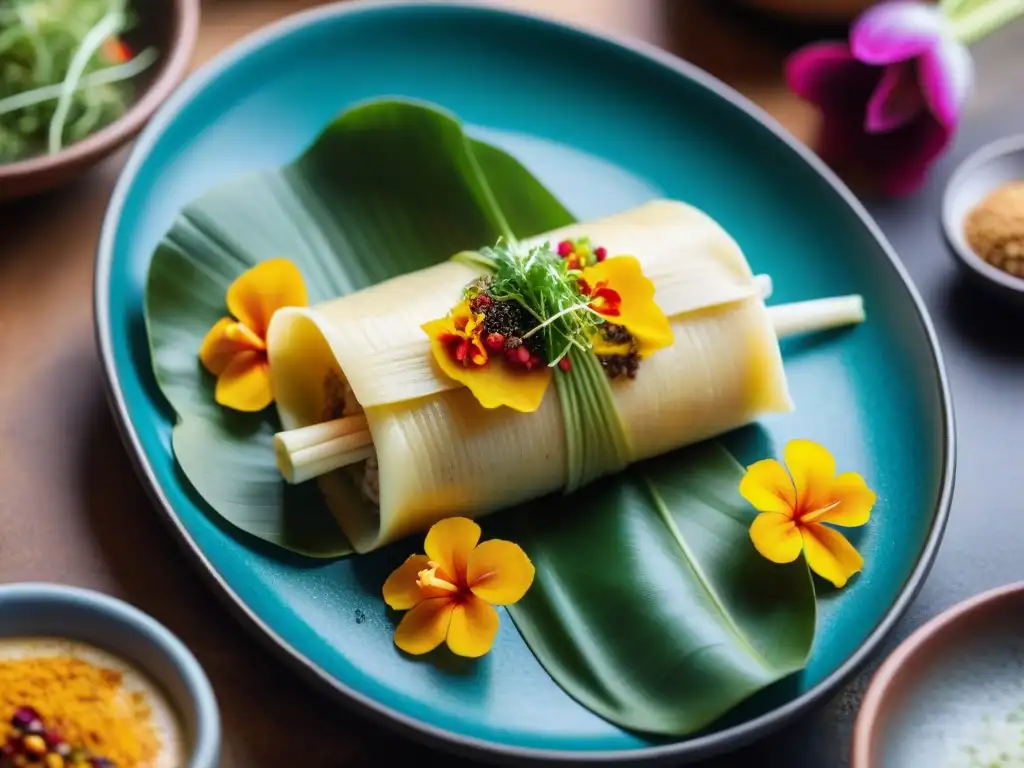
column 235, row 350
column 450, row 592
column 994, row 228
column 63, row 712
column 795, row 502
column 29, row 742
column 537, row 306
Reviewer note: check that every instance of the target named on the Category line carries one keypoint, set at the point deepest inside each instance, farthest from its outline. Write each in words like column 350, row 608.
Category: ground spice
column 994, row 229
column 85, row 704
column 620, row 365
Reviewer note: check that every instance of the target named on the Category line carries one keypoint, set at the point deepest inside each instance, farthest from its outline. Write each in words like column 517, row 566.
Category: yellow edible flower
column 235, row 349
column 460, row 351
column 450, row 592
column 795, row 505
column 619, row 284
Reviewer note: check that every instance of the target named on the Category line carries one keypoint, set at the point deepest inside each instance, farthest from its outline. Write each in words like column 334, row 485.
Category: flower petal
column 244, row 385
column 769, row 488
column 826, row 74
column 813, row 470
column 776, row 537
column 896, row 100
column 257, row 294
column 401, row 591
column 449, row 543
column 851, row 505
column 473, row 627
column 638, row 311
column 895, row 31
column 946, row 73
column 225, row 340
column 495, row 384
column 499, row 572
column 903, row 163
column 829, row 554
column 425, row 627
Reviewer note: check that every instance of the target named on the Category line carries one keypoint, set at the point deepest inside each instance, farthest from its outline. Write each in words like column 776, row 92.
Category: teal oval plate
column 606, row 125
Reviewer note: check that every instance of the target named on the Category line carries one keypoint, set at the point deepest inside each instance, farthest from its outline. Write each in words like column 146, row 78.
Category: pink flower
column 891, row 99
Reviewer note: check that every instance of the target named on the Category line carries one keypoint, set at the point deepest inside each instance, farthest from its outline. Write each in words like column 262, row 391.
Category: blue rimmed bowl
column 113, row 626
column 606, row 125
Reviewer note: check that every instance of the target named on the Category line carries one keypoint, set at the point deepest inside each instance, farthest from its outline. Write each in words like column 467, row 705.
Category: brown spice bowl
column 953, row 693
column 171, row 26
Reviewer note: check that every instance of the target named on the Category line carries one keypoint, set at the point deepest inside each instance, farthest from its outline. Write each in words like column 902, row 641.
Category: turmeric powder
column 81, row 706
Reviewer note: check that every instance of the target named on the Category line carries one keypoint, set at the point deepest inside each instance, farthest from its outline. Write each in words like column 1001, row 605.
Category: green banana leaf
column 650, row 605
column 388, row 188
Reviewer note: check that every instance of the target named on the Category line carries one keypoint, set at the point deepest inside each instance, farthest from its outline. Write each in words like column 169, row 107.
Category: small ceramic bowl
column 983, row 172
column 953, row 693
column 170, row 26
column 110, row 625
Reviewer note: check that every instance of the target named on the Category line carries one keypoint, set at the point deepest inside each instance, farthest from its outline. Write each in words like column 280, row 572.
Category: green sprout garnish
column 541, row 282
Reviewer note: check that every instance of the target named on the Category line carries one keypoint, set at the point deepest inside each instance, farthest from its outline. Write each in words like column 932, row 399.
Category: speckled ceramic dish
column 984, row 171
column 88, row 625
column 952, row 695
column 605, row 125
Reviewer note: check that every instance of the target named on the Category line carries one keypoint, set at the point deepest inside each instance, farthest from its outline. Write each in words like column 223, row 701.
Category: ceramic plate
column 606, row 125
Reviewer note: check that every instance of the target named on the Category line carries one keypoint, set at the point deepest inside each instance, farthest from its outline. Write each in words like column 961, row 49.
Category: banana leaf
column 650, row 605
column 388, row 188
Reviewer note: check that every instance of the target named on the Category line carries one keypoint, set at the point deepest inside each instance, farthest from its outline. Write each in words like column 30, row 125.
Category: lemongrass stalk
column 816, row 315
column 764, row 285
column 308, row 452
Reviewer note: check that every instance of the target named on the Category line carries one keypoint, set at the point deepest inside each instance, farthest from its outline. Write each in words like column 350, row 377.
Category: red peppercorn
column 495, row 342
column 601, row 253
column 565, row 364
column 565, row 248
column 480, row 303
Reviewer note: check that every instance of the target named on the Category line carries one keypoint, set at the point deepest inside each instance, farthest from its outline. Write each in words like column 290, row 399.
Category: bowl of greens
column 79, row 78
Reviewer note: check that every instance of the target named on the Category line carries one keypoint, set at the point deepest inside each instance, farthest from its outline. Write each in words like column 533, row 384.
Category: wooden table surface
column 71, row 507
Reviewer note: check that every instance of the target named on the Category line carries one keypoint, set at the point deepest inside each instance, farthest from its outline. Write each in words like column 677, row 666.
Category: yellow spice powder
column 86, row 704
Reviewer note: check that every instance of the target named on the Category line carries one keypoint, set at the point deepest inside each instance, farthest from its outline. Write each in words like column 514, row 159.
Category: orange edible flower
column 450, row 592
column 604, row 300
column 235, row 350
column 625, row 296
column 460, row 351
column 462, row 337
column 797, row 500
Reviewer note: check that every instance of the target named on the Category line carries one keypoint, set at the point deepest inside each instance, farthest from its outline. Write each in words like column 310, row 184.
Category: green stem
column 106, row 28
column 982, row 20
column 103, row 77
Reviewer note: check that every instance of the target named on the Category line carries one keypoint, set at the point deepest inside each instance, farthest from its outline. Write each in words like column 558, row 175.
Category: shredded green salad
column 65, row 72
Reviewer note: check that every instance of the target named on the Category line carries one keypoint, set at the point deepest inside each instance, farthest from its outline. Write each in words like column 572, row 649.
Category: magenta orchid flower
column 892, row 97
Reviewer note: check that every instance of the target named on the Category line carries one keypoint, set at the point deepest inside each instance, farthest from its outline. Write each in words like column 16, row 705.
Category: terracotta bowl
column 953, row 693
column 171, row 26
